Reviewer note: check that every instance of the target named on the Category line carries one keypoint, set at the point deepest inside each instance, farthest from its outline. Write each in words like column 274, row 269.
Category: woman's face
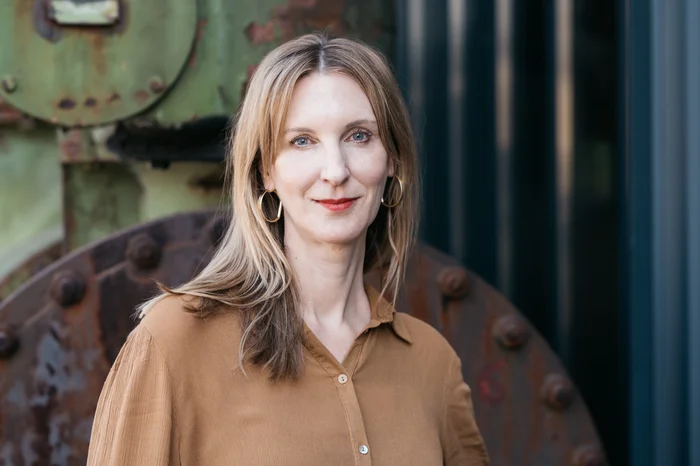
column 331, row 168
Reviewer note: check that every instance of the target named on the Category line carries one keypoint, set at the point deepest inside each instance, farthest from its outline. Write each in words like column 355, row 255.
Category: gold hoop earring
column 262, row 211
column 398, row 201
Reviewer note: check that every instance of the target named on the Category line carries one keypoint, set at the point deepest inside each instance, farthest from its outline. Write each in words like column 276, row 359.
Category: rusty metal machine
column 114, row 112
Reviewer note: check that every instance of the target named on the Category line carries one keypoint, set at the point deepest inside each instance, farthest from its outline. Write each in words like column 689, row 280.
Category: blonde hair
column 249, row 271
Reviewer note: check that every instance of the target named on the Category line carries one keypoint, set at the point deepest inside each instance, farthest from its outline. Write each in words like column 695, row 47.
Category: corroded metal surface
column 529, row 411
column 61, row 332
column 29, row 268
column 58, row 64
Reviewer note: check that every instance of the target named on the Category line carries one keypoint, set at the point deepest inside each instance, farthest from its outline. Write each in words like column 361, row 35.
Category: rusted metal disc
column 526, row 406
column 56, row 347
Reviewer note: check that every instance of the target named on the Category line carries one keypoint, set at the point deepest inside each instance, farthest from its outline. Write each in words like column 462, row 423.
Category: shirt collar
column 384, row 313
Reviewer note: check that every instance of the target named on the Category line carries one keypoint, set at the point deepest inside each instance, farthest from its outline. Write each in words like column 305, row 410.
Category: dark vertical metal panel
column 504, row 142
column 505, row 225
column 414, row 61
column 664, row 114
column 692, row 178
column 532, row 238
column 480, row 163
column 668, row 232
column 596, row 357
column 638, row 292
column 564, row 171
column 457, row 82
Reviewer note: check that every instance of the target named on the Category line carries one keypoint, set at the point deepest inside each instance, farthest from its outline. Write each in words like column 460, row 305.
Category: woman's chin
column 339, row 238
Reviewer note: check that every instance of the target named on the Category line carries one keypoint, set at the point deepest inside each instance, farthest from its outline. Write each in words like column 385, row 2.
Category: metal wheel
column 61, row 331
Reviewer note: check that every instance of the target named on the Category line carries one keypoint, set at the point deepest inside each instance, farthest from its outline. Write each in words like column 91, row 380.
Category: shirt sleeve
column 133, row 422
column 463, row 444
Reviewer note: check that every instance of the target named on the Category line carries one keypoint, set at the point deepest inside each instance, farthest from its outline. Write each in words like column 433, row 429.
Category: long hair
column 249, row 272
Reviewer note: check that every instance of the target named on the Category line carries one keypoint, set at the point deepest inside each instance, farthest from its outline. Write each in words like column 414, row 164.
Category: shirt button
column 364, row 449
column 342, row 378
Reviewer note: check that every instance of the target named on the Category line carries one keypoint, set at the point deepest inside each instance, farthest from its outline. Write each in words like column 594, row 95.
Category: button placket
column 341, row 372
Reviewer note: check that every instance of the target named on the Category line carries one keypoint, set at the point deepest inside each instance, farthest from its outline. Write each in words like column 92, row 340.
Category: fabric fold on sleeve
column 134, row 422
column 463, row 442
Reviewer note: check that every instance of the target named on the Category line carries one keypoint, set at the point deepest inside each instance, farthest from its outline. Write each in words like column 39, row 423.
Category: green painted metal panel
column 30, row 194
column 99, row 198
column 103, row 197
column 233, row 36
column 76, row 75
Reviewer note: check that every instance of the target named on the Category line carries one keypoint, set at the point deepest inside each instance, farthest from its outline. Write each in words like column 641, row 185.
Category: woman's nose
column 335, row 169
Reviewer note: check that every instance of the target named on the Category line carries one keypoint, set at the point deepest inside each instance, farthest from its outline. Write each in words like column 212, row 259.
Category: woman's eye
column 360, row 136
column 301, row 141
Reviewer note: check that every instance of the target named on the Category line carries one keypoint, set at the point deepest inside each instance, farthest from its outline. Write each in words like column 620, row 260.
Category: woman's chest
column 341, row 422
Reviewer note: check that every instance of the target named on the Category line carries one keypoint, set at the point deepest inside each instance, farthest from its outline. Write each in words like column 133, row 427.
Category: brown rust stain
column 90, row 102
column 9, row 115
column 41, row 416
column 489, row 384
column 98, row 61
column 299, row 16
column 260, row 33
column 141, row 95
column 114, row 97
column 71, row 146
column 199, row 35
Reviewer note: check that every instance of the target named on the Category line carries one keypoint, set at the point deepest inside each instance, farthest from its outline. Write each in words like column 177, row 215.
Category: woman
column 278, row 353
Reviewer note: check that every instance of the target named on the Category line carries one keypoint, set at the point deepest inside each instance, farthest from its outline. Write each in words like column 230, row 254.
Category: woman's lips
column 337, row 205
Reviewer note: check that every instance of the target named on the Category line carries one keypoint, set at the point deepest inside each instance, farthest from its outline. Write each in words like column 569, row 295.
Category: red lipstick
column 337, row 205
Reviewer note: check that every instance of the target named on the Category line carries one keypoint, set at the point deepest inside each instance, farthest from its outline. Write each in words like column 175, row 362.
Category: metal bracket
column 84, row 12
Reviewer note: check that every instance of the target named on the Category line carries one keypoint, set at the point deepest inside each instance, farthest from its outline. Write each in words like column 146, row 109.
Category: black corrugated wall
column 515, row 105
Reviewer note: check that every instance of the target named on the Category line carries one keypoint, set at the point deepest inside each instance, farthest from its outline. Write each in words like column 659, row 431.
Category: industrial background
column 560, row 147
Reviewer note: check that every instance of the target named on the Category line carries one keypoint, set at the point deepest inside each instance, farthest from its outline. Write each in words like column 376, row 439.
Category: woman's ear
column 266, row 178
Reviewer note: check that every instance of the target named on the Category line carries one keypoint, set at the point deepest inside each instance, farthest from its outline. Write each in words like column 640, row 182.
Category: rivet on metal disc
column 9, row 342
column 588, row 455
column 9, row 84
column 156, row 85
column 143, row 251
column 453, row 282
column 558, row 392
column 67, row 288
column 511, row 332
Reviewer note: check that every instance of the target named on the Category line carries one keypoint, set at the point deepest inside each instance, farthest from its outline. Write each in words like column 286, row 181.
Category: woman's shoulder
column 424, row 338
column 181, row 334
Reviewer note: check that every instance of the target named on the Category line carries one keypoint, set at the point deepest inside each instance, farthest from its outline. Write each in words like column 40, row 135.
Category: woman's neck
column 331, row 282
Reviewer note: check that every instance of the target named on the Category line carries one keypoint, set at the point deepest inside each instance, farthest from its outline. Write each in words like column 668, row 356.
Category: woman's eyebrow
column 363, row 121
column 298, row 130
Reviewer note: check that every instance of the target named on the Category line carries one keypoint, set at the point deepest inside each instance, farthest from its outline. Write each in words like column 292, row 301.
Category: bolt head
column 67, row 288
column 9, row 343
column 558, row 392
column 156, row 85
column 453, row 282
column 143, row 251
column 588, row 455
column 511, row 332
column 9, row 84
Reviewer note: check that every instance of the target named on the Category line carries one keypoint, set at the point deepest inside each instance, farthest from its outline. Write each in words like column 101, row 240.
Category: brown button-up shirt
column 176, row 396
